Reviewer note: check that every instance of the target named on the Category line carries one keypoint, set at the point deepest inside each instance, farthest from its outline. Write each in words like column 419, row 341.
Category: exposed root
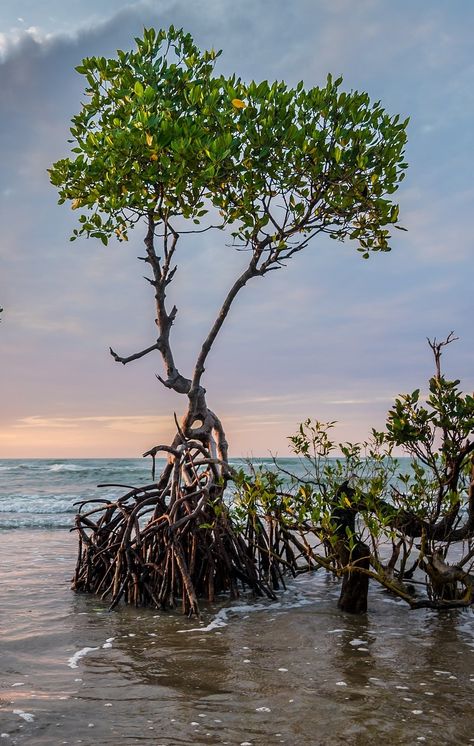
column 171, row 542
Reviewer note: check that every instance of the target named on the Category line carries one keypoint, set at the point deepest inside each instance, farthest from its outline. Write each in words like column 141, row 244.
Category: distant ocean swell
column 42, row 493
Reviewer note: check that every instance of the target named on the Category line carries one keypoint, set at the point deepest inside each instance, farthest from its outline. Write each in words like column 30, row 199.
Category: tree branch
column 163, row 275
column 241, row 281
column 136, row 356
column 437, row 348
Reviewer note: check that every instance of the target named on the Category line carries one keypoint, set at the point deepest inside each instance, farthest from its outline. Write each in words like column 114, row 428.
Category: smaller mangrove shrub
column 361, row 513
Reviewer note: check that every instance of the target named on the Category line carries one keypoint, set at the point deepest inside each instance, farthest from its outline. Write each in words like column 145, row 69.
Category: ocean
column 41, row 493
column 294, row 671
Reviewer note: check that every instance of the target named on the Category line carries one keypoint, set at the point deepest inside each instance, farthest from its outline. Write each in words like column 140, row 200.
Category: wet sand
column 295, row 672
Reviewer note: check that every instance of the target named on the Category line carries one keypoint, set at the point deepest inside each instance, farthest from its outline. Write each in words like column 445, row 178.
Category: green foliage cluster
column 161, row 134
column 409, row 515
column 446, row 419
column 310, row 496
column 437, row 433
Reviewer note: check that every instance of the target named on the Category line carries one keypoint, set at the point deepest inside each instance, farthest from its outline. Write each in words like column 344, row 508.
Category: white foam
column 221, row 618
column 74, row 659
column 66, row 467
column 24, row 715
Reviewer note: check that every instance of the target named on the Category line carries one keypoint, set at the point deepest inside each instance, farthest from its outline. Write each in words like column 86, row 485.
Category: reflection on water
column 293, row 672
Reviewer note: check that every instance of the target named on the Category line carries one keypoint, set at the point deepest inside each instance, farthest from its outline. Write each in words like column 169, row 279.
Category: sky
column 331, row 337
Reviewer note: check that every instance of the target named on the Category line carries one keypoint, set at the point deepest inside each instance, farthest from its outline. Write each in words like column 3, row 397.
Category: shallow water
column 297, row 671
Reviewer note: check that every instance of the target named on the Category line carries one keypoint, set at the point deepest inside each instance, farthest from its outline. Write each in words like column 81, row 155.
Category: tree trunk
column 172, row 541
column 351, row 553
column 355, row 585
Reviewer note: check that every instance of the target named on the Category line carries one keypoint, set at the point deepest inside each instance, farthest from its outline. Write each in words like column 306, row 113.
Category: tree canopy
column 162, row 134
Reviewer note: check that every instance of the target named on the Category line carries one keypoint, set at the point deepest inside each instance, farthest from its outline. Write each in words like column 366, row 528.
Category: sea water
column 44, row 493
column 249, row 672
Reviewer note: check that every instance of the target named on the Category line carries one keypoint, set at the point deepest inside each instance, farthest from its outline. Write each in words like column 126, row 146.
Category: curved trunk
column 200, row 423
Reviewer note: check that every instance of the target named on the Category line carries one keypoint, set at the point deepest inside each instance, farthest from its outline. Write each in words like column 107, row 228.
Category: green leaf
column 165, row 119
column 148, row 94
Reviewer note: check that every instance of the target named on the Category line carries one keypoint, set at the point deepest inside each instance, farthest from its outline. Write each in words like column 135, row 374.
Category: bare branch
column 177, row 382
column 201, row 230
column 241, row 281
column 437, row 348
column 157, row 449
column 136, row 356
column 163, row 275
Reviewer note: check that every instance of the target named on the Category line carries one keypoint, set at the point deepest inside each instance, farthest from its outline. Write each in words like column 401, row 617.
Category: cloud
column 130, row 423
column 437, row 228
column 360, row 402
column 272, row 399
column 43, row 322
column 13, row 41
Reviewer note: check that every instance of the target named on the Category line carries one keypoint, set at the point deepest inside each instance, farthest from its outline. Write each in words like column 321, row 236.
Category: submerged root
column 172, row 542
